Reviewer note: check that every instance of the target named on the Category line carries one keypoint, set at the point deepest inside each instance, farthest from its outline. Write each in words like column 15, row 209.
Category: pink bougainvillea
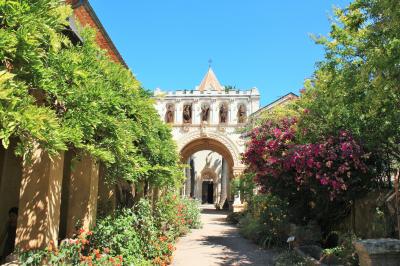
column 334, row 163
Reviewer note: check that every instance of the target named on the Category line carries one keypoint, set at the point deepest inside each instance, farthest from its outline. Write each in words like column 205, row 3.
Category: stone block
column 378, row 252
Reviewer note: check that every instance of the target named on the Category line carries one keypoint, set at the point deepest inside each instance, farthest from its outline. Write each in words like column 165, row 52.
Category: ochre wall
column 107, row 195
column 83, row 191
column 40, row 198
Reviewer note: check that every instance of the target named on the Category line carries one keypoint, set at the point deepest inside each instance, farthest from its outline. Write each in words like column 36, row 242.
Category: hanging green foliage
column 64, row 95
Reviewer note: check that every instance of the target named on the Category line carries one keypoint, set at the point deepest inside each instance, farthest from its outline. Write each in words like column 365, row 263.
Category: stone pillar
column 224, row 183
column 196, row 112
column 178, row 112
column 192, row 177
column 232, row 111
column 39, row 202
column 188, row 179
column 107, row 201
column 83, row 192
column 214, row 112
column 237, row 206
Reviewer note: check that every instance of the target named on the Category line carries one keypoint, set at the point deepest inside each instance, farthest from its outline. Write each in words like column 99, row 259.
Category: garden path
column 218, row 243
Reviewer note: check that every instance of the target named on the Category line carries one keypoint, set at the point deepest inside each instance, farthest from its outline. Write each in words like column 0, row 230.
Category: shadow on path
column 219, row 243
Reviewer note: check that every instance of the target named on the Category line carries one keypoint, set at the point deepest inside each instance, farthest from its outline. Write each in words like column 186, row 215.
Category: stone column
column 214, row 112
column 39, row 202
column 107, row 201
column 232, row 111
column 188, row 179
column 83, row 192
column 237, row 204
column 224, row 183
column 195, row 112
column 178, row 112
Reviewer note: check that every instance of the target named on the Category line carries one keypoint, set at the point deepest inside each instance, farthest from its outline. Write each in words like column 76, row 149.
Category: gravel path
column 218, row 243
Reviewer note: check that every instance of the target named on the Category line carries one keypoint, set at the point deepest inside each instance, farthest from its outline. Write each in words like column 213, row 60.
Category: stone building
column 281, row 101
column 205, row 123
column 52, row 197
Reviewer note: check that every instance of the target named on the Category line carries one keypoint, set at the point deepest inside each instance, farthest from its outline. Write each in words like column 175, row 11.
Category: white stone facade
column 208, row 118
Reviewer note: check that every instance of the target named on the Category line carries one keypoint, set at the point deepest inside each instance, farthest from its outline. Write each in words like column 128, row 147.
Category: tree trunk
column 396, row 189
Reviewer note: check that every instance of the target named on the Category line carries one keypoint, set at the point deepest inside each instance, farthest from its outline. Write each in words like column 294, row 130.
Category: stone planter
column 378, row 252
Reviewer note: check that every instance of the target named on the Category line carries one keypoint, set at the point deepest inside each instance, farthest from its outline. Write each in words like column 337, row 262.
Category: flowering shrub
column 76, row 251
column 177, row 215
column 118, row 232
column 335, row 163
column 191, row 212
column 138, row 236
column 134, row 234
column 314, row 176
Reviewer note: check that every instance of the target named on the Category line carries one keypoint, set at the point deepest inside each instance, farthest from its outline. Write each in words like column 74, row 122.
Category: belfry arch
column 216, row 142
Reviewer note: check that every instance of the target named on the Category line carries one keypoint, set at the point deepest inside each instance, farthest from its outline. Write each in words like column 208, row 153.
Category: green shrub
column 177, row 214
column 119, row 232
column 191, row 212
column 266, row 220
column 76, row 251
column 138, row 236
column 235, row 217
column 345, row 251
column 131, row 233
column 143, row 235
column 291, row 258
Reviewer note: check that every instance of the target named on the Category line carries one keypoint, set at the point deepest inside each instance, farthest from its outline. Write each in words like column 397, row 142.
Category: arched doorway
column 214, row 189
column 210, row 183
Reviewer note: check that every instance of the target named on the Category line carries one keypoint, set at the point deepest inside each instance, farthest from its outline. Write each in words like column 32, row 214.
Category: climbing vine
column 66, row 95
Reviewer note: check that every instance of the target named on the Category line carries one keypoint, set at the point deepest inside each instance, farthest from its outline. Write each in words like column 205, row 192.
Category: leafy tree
column 72, row 96
column 356, row 87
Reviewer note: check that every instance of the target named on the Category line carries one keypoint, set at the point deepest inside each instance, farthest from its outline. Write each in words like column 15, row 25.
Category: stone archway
column 217, row 142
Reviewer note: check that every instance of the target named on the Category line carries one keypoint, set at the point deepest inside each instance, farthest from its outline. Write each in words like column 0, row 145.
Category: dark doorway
column 207, row 192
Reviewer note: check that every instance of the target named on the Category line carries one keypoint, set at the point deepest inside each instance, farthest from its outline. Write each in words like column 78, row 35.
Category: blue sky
column 252, row 43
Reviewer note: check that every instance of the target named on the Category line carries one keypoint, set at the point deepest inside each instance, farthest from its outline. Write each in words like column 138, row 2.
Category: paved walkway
column 218, row 243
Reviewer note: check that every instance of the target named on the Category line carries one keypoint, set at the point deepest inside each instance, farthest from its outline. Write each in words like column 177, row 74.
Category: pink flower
column 324, row 181
column 277, row 132
column 272, row 160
